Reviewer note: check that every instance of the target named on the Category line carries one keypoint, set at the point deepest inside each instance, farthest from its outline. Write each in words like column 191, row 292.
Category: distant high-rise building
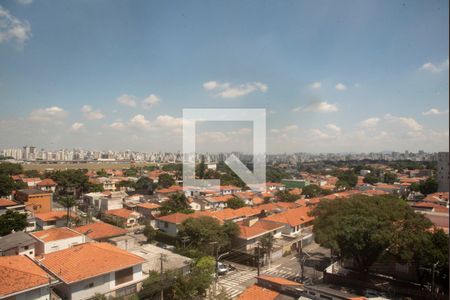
column 442, row 172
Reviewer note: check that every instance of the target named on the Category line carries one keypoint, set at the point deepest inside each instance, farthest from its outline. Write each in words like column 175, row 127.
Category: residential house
column 152, row 255
column 275, row 186
column 51, row 219
column 94, row 268
column 32, row 182
column 274, row 288
column 216, row 202
column 295, row 220
column 47, row 185
column 17, row 243
column 169, row 224
column 55, row 239
column 100, row 231
column 6, row 204
column 229, row 189
column 149, row 211
column 125, row 217
column 35, row 200
column 252, row 230
column 22, row 279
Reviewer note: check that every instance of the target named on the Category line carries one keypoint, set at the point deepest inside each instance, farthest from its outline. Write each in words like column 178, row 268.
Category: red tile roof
column 55, row 234
column 47, row 182
column 88, row 260
column 121, row 213
column 258, row 229
column 176, row 218
column 19, row 273
column 149, row 205
column 279, row 280
column 51, row 216
column 255, row 292
column 293, row 217
column 100, row 230
column 6, row 202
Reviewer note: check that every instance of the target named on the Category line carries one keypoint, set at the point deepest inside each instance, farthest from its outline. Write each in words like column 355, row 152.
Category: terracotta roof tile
column 7, row 202
column 293, row 217
column 51, row 215
column 88, row 260
column 47, row 182
column 149, row 205
column 100, row 230
column 256, row 292
column 55, row 234
column 257, row 229
column 19, row 273
column 121, row 213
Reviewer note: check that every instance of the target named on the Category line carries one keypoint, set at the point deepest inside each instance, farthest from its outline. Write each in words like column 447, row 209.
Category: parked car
column 165, row 246
column 222, row 269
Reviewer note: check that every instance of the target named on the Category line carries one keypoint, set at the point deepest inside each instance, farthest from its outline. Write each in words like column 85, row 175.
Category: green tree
column 235, row 203
column 7, row 168
column 143, row 185
column 267, row 242
column 7, row 185
column 102, row 173
column 149, row 232
column 428, row 186
column 32, row 173
column 311, row 191
column 68, row 202
column 371, row 179
column 71, row 181
column 346, row 180
column 131, row 172
column 176, row 203
column 389, row 178
column 201, row 170
column 12, row 220
column 275, row 174
column 362, row 228
column 205, row 233
column 285, row 196
column 165, row 180
column 96, row 188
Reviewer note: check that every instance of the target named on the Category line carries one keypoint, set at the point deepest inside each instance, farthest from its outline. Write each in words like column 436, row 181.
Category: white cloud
column 317, row 106
column 127, row 100
column 408, row 122
column 319, row 134
column 227, row 91
column 139, row 122
column 334, row 128
column 168, row 121
column 117, row 126
column 435, row 68
column 53, row 113
column 150, row 101
column 91, row 114
column 316, row 85
column 370, row 122
column 12, row 28
column 24, row 2
column 340, row 87
column 434, row 111
column 76, row 127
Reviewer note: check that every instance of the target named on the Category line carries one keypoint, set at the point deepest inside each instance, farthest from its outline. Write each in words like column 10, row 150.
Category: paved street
column 288, row 267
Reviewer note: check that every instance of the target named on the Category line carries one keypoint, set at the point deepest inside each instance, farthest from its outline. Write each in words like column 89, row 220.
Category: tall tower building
column 443, row 177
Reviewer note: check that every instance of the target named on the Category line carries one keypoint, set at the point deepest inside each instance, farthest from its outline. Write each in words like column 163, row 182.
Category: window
column 124, row 275
column 166, row 225
column 89, row 285
column 26, row 247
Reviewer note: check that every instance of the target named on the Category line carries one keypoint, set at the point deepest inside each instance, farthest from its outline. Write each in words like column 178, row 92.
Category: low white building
column 94, row 268
column 56, row 239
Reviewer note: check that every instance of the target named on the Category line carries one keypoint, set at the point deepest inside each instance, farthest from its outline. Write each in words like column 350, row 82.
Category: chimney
column 250, row 221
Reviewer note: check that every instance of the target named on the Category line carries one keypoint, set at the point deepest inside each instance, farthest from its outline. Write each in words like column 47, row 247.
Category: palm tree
column 267, row 243
column 68, row 202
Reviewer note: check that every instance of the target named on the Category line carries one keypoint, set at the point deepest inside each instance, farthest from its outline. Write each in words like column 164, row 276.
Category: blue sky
column 334, row 76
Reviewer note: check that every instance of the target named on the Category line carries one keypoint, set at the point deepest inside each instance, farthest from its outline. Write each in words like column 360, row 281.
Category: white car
column 221, row 268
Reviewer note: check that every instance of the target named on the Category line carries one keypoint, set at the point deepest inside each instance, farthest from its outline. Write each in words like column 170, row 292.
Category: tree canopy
column 7, row 168
column 363, row 227
column 165, row 180
column 176, row 203
column 12, row 220
column 7, row 185
column 205, row 233
column 235, row 203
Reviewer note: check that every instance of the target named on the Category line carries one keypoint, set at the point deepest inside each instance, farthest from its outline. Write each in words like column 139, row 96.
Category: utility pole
column 161, row 258
column 433, row 287
column 258, row 260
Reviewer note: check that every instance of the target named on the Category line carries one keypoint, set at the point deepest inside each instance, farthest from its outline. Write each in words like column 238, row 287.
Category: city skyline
column 337, row 79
